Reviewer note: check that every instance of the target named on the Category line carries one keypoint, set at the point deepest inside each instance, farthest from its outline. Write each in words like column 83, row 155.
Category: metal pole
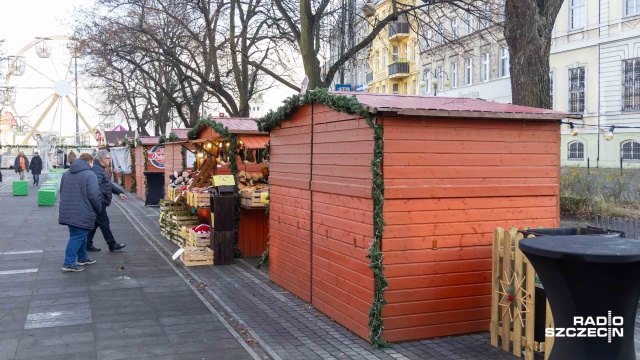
column 77, row 121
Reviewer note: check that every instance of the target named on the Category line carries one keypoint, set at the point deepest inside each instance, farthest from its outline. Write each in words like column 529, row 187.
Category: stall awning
column 255, row 141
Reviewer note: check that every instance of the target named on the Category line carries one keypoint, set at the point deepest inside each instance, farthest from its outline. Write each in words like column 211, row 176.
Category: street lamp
column 437, row 75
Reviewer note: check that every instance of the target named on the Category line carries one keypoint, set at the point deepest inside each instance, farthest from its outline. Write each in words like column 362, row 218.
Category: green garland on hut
column 351, row 105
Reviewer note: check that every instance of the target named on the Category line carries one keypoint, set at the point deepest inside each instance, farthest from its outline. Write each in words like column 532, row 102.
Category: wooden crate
column 200, row 200
column 198, row 240
column 170, row 206
column 251, row 199
column 512, row 270
column 197, row 256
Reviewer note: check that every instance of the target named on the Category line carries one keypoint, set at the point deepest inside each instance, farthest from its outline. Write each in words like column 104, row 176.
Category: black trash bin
column 155, row 187
column 541, row 295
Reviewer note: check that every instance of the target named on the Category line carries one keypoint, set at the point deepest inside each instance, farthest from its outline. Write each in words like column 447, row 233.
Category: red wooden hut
column 252, row 230
column 453, row 169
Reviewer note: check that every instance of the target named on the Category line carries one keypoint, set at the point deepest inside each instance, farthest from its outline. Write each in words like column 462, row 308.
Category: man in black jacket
column 107, row 188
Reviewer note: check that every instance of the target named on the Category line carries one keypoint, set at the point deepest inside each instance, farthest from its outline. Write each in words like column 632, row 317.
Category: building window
column 469, row 23
column 630, row 150
column 427, row 89
column 395, row 88
column 440, row 34
column 415, row 50
column 384, row 58
column 440, row 75
column 454, row 27
column 454, row 75
column 406, row 88
column 468, row 71
column 485, row 20
column 406, row 52
column 415, row 87
column 429, row 36
column 395, row 53
column 632, row 7
column 551, row 90
column 504, row 62
column 576, row 150
column 577, row 11
column 631, row 86
column 384, row 89
column 485, row 67
column 377, row 60
column 576, row 90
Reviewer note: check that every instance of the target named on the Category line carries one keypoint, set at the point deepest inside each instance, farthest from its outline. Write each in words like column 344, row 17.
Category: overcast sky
column 23, row 21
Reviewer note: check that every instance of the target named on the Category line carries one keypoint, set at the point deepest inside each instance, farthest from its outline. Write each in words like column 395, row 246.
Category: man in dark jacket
column 36, row 167
column 21, row 164
column 107, row 188
column 80, row 200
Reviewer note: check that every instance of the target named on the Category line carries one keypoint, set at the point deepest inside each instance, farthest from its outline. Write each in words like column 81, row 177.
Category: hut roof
column 116, row 137
column 452, row 107
column 181, row 133
column 237, row 125
column 149, row 140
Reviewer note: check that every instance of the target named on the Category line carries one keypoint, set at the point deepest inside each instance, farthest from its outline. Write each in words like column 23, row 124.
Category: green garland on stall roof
column 173, row 137
column 219, row 128
column 351, row 105
column 183, row 152
column 163, row 139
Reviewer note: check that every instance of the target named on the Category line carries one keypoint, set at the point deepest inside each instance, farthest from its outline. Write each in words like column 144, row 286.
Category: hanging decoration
column 350, row 105
column 509, row 302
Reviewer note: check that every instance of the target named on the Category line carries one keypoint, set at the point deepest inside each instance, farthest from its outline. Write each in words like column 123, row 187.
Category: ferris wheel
column 42, row 90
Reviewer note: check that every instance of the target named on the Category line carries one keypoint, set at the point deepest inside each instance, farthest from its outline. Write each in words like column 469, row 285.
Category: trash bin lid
column 600, row 249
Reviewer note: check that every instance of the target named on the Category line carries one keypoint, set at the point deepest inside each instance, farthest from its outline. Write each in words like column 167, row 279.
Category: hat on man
column 37, row 152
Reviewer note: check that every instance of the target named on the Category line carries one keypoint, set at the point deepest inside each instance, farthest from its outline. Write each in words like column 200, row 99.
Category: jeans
column 102, row 222
column 21, row 173
column 36, row 179
column 77, row 245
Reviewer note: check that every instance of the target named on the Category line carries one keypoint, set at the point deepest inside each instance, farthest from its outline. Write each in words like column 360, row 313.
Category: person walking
column 107, row 189
column 0, row 164
column 21, row 164
column 80, row 201
column 71, row 158
column 36, row 167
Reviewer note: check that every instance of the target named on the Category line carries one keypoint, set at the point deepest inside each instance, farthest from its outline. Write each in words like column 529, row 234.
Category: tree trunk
column 307, row 45
column 528, row 26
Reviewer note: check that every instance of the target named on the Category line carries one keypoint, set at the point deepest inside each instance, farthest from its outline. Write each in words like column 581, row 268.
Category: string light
column 608, row 135
column 573, row 131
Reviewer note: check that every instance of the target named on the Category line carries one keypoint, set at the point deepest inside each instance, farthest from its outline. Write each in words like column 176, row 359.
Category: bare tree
column 183, row 53
column 527, row 28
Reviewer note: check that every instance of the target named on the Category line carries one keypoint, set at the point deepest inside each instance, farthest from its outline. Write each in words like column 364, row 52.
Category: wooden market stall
column 452, row 170
column 214, row 147
column 179, row 155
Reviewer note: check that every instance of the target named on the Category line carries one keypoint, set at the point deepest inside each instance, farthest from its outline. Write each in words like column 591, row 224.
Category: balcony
column 398, row 30
column 369, row 78
column 399, row 69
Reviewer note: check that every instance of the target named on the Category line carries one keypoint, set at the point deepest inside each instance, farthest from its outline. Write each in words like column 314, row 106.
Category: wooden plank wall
column 448, row 185
column 252, row 232
column 290, row 204
column 342, row 283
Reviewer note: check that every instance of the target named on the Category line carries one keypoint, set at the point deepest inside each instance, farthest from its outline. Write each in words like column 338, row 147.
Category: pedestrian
column 0, row 164
column 21, row 165
column 80, row 201
column 36, row 168
column 107, row 189
column 71, row 157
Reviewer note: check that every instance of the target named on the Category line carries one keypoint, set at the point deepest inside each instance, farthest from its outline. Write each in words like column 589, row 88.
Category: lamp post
column 435, row 81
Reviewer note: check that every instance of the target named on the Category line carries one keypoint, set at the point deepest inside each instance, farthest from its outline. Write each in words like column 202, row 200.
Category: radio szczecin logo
column 591, row 327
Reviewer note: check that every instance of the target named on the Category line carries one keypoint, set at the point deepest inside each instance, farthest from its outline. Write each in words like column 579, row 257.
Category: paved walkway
column 129, row 305
column 140, row 304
